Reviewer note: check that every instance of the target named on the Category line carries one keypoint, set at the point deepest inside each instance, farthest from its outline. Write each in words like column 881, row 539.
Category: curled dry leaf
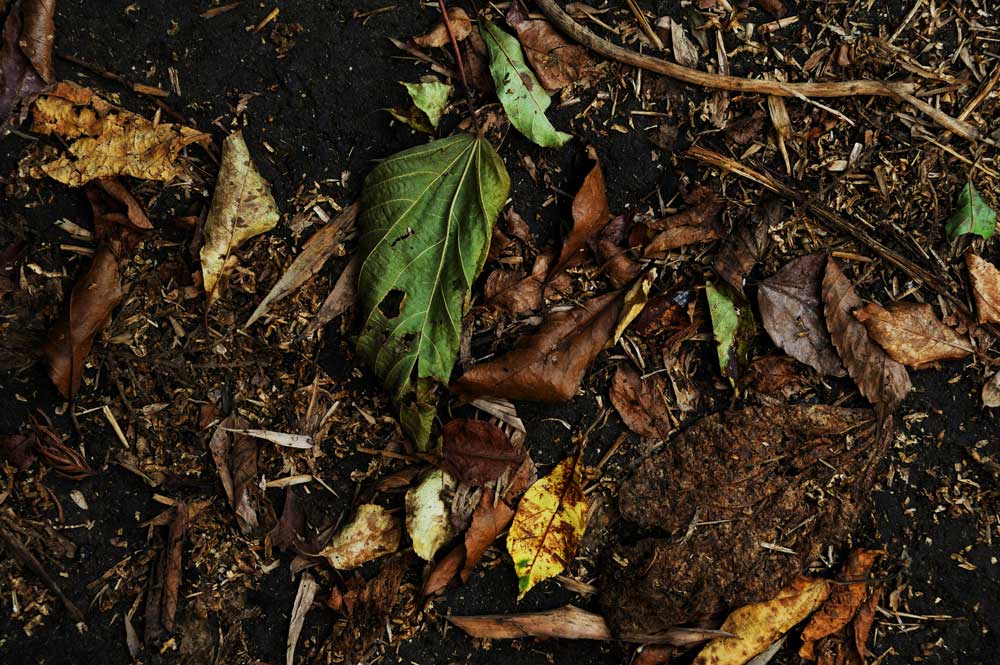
column 340, row 298
column 25, row 53
column 747, row 244
column 845, row 599
column 515, row 292
column 549, row 365
column 108, row 141
column 477, row 452
column 438, row 36
column 303, row 602
column 912, row 334
column 985, row 280
column 612, row 249
column 242, row 207
column 567, row 622
column 428, row 518
column 373, row 532
column 641, row 402
column 758, row 625
column 557, row 62
column 697, row 224
column 879, row 378
column 792, row 313
column 590, row 215
column 549, row 523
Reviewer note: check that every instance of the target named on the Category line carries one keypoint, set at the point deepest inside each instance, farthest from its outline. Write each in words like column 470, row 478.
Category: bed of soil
column 317, row 117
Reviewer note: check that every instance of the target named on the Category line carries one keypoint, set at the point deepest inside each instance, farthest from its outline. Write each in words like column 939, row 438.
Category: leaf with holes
column 426, row 222
column 549, row 523
column 522, row 96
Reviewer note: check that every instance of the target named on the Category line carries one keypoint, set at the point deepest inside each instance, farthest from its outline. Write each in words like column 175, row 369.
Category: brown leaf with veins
column 985, row 280
column 697, row 224
column 590, row 215
column 641, row 402
column 517, row 293
column 863, row 622
column 477, row 452
column 25, row 53
column 557, row 61
column 746, row 245
column 792, row 313
column 549, row 365
column 912, row 334
column 779, row 377
column 882, row 380
column 438, row 37
column 845, row 599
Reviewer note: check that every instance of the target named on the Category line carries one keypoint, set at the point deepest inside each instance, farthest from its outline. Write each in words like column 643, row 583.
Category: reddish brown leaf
column 290, row 531
column 341, row 297
column 25, row 53
column 664, row 313
column 612, row 249
column 779, row 377
column 16, row 449
column 444, row 571
column 477, row 452
column 774, row 7
column 697, row 224
column 557, row 61
column 845, row 599
column 489, row 520
column 985, row 279
column 438, row 37
column 746, row 245
column 172, row 560
column 590, row 215
column 112, row 205
column 641, row 402
column 516, row 293
column 863, row 622
column 879, row 378
column 912, row 334
column 549, row 365
column 792, row 313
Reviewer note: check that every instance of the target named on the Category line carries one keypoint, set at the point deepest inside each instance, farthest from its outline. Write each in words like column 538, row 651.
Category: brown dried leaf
column 665, row 313
column 641, row 402
column 290, row 531
column 372, row 533
column 590, row 215
column 985, row 280
column 557, row 61
column 25, row 53
column 775, row 7
column 172, row 567
column 16, row 449
column 791, row 310
column 549, row 365
column 879, row 378
column 863, row 622
column 779, row 377
column 695, row 225
column 438, row 36
column 685, row 52
column 845, row 599
column 243, row 467
column 746, row 245
column 612, row 249
column 340, row 299
column 516, row 293
column 303, row 602
column 568, row 622
column 911, row 333
column 477, row 452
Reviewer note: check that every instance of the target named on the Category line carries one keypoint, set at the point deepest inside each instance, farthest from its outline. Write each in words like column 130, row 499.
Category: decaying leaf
column 590, row 215
column 718, row 555
column 235, row 457
column 641, row 402
column 438, row 37
column 549, row 523
column 568, row 622
column 758, row 625
column 373, row 532
column 549, row 365
column 792, row 313
column 477, row 452
column 428, row 518
column 108, row 141
column 779, row 377
column 733, row 326
column 973, row 215
column 697, row 224
column 340, row 298
column 242, row 207
column 557, row 62
column 665, row 313
column 879, row 378
column 426, row 221
column 985, row 280
column 520, row 93
column 161, row 602
column 314, row 255
column 515, row 292
column 303, row 601
column 300, row 441
column 845, row 599
column 289, row 534
column 429, row 101
column 746, row 245
column 685, row 52
column 912, row 334
column 613, row 251
column 25, row 53
column 991, row 391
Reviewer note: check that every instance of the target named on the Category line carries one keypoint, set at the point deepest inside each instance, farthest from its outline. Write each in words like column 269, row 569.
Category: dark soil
column 316, row 116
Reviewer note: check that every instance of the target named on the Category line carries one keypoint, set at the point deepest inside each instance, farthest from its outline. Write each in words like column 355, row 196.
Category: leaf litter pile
column 659, row 416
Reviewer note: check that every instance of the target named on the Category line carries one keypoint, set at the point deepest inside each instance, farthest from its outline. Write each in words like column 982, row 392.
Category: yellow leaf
column 549, row 523
column 109, row 141
column 242, row 207
column 760, row 624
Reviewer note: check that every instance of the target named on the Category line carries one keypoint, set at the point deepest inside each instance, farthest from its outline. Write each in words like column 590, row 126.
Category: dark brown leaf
column 172, row 567
column 774, row 7
column 549, row 365
column 746, row 245
column 16, row 449
column 489, row 520
column 879, row 378
column 747, row 128
column 243, row 467
column 590, row 215
column 664, row 313
column 863, row 622
column 113, row 205
column 339, row 300
column 985, row 279
column 25, row 53
column 477, row 452
column 557, row 62
column 612, row 249
column 289, row 534
column 792, row 313
column 517, row 293
column 641, row 402
column 697, row 224
column 779, row 377
column 912, row 334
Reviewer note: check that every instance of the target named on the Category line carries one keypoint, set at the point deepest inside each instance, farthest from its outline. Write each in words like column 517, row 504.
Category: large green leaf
column 973, row 215
column 523, row 97
column 427, row 216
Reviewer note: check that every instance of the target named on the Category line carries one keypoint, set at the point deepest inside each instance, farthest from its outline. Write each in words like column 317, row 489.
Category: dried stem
column 460, row 61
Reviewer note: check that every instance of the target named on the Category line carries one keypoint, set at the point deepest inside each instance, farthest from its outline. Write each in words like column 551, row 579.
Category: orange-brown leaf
column 912, row 334
column 590, row 215
column 845, row 599
column 985, row 279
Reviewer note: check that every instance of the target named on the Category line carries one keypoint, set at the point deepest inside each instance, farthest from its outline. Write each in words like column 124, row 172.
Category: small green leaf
column 733, row 325
column 973, row 215
column 426, row 222
column 522, row 96
column 430, row 97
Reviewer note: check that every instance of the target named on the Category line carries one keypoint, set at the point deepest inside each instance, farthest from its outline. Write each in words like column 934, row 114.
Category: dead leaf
column 438, row 36
column 303, row 602
column 112, row 203
column 339, row 300
column 985, row 280
column 515, row 292
column 477, row 452
column 25, row 53
column 314, row 255
column 863, row 620
column 612, row 249
column 912, row 334
column 557, row 61
column 108, row 141
column 373, row 532
column 242, row 207
column 758, row 625
column 428, row 517
column 879, row 378
column 289, row 534
column 791, row 310
column 695, row 225
column 285, row 439
column 779, row 377
column 845, row 599
column 590, row 215
column 665, row 313
column 685, row 52
column 549, row 365
column 641, row 402
column 16, row 449
column 172, row 567
column 774, row 7
column 235, row 457
column 991, row 391
column 746, row 245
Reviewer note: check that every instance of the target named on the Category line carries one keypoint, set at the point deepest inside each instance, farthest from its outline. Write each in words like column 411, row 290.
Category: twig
column 577, row 32
column 28, row 560
column 644, row 24
column 461, row 63
column 953, row 125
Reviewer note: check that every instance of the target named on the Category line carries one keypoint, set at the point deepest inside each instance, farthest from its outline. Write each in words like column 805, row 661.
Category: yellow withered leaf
column 549, row 523
column 108, row 141
column 758, row 625
column 242, row 207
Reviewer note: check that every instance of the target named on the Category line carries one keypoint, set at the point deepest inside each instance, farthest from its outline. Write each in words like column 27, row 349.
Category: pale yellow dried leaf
column 372, row 533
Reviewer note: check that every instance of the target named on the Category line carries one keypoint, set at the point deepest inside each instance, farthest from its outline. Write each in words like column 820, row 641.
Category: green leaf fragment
column 974, row 215
column 520, row 93
column 734, row 328
column 426, row 222
column 431, row 98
